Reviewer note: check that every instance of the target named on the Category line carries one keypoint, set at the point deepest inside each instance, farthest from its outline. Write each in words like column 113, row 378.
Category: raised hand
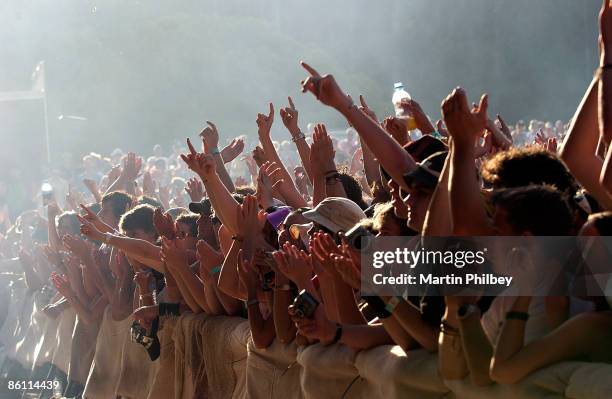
column 323, row 247
column 322, row 150
column 301, row 180
column 294, row 264
column 62, row 285
column 486, row 147
column 202, row 164
column 551, row 145
column 164, row 225
column 420, row 118
column 173, row 253
column 195, row 189
column 325, row 89
column 347, row 271
column 264, row 187
column 366, row 109
column 113, row 174
column 89, row 230
column 289, row 115
column 248, row 215
column 73, row 198
column 210, row 137
column 464, row 125
column 53, row 257
column 148, row 184
column 441, row 128
column 605, row 33
column 540, row 138
column 78, row 246
column 259, row 156
column 273, row 173
column 396, row 128
column 264, row 124
column 232, row 150
column 92, row 186
column 131, row 167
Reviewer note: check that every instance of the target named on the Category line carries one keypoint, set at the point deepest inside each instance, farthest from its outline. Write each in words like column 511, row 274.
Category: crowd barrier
column 213, row 357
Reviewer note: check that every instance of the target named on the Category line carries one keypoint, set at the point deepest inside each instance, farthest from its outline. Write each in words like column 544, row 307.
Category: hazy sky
column 152, row 71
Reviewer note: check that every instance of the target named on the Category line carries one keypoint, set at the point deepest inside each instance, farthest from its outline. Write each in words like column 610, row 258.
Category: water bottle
column 399, row 94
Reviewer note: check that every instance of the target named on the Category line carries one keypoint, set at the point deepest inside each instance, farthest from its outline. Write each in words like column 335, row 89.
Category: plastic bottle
column 399, row 94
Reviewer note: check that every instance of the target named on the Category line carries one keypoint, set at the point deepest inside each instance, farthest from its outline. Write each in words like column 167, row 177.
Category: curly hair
column 518, row 167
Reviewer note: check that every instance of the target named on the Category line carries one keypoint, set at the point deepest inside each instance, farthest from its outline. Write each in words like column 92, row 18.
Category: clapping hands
column 464, row 125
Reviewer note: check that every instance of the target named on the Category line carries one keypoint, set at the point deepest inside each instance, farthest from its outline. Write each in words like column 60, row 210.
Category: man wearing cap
column 334, row 214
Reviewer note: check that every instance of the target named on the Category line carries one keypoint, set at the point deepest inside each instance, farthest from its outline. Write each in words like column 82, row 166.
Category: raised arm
column 141, row 250
column 289, row 115
column 324, row 173
column 580, row 147
column 262, row 330
column 223, row 203
column 464, row 126
column 54, row 240
column 210, row 142
column 131, row 169
column 389, row 153
column 438, row 220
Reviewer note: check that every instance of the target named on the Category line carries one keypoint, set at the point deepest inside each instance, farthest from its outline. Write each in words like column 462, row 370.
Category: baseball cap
column 336, row 214
column 419, row 150
column 427, row 172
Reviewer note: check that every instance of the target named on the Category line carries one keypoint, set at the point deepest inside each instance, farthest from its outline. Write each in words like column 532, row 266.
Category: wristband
column 214, row 270
column 299, row 136
column 338, row 335
column 377, row 305
column 447, row 329
column 169, row 309
column 517, row 316
column 393, row 302
column 215, row 151
column 107, row 238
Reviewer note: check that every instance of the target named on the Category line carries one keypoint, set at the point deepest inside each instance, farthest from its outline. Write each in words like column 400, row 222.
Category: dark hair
column 538, row 209
column 119, row 201
column 352, row 188
column 518, row 167
column 245, row 190
column 140, row 217
column 602, row 222
column 145, row 199
column 190, row 219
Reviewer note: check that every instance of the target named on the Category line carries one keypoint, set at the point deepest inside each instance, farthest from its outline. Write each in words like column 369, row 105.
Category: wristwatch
column 107, row 238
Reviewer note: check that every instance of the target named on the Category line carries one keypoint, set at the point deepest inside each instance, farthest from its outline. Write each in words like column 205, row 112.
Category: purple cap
column 276, row 218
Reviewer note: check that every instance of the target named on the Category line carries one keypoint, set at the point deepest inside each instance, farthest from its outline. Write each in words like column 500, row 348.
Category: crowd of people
column 206, row 230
